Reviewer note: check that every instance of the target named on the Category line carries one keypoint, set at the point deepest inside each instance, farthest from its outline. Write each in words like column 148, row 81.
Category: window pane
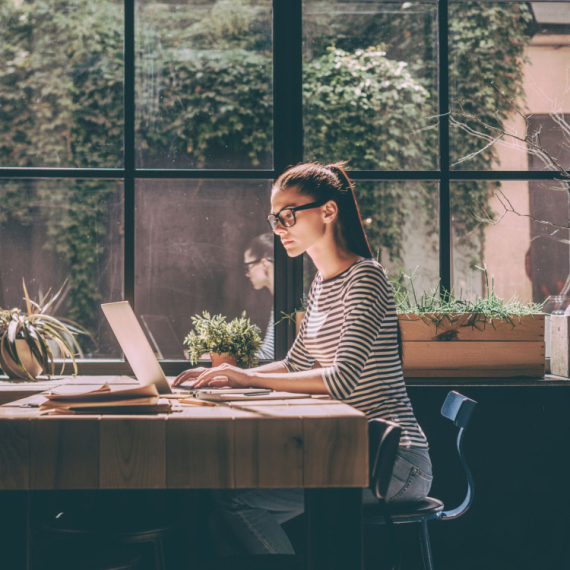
column 61, row 84
column 508, row 69
column 192, row 240
column 520, row 233
column 369, row 73
column 204, row 84
column 402, row 223
column 64, row 231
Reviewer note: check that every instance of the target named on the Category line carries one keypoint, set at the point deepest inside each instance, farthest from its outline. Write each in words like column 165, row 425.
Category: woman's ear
column 330, row 212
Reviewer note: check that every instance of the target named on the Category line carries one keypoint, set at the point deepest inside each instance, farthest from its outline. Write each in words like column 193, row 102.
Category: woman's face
column 310, row 226
column 257, row 270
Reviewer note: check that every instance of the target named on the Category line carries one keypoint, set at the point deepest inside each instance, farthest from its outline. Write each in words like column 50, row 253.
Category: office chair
column 459, row 410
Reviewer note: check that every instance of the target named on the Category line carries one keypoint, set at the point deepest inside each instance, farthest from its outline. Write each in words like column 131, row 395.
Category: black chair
column 384, row 442
column 85, row 531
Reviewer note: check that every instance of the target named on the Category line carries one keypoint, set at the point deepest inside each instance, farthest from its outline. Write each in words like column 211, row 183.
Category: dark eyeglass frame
column 274, row 219
column 247, row 264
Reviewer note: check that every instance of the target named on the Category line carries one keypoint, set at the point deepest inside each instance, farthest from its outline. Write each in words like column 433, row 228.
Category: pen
column 196, row 402
column 261, row 393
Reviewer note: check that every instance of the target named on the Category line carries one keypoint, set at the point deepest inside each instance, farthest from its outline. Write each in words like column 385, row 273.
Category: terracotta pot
column 218, row 359
column 12, row 370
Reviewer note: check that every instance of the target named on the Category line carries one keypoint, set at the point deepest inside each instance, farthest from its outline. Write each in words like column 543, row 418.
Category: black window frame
column 288, row 150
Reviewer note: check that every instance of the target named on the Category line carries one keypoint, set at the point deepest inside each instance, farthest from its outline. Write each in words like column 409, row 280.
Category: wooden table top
column 299, row 443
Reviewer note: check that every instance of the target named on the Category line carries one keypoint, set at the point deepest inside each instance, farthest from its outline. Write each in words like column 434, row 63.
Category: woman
column 258, row 266
column 347, row 346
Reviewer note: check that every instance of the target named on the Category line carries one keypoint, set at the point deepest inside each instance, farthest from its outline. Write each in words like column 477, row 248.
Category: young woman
column 347, row 346
column 258, row 266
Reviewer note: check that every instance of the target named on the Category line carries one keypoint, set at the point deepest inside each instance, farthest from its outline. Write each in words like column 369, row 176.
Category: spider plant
column 37, row 328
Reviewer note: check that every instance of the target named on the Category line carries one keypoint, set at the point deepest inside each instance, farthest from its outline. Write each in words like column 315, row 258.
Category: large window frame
column 288, row 150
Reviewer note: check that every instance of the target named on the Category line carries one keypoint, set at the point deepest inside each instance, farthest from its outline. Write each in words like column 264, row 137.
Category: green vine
column 203, row 87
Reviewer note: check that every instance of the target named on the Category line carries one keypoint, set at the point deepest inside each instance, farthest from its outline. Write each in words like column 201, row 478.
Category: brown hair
column 261, row 247
column 330, row 182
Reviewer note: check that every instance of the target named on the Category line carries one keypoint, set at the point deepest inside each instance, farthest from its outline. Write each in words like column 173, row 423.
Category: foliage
column 204, row 99
column 487, row 42
column 38, row 329
column 437, row 307
column 238, row 338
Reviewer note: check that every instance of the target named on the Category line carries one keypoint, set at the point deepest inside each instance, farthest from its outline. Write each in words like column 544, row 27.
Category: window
column 139, row 141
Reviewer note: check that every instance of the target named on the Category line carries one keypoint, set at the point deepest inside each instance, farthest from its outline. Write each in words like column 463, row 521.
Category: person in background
column 258, row 266
column 350, row 330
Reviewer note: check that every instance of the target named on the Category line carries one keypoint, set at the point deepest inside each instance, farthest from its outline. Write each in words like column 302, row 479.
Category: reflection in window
column 61, row 84
column 204, row 84
column 369, row 84
column 63, row 231
column 193, row 241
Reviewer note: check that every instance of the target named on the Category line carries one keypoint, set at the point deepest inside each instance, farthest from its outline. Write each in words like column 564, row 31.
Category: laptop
column 135, row 345
column 141, row 356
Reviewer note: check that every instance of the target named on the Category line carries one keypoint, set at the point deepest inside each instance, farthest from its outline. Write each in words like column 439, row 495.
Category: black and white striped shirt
column 267, row 350
column 350, row 329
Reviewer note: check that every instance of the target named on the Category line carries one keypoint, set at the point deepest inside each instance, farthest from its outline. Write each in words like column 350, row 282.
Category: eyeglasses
column 247, row 265
column 287, row 215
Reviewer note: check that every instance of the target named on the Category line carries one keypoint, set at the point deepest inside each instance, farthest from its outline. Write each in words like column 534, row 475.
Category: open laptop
column 135, row 345
column 140, row 354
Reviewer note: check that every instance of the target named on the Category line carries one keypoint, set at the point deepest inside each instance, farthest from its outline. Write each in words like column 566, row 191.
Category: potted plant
column 296, row 317
column 26, row 336
column 236, row 342
column 443, row 336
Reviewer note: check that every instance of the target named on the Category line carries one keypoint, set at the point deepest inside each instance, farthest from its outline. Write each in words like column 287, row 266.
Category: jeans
column 250, row 519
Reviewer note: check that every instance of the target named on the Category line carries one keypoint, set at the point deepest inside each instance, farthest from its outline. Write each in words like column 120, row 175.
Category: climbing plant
column 204, row 92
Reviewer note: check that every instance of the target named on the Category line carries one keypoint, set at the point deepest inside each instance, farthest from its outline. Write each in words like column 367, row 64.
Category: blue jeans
column 254, row 516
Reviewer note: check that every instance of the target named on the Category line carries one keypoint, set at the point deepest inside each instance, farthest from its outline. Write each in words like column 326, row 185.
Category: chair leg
column 426, row 547
column 160, row 562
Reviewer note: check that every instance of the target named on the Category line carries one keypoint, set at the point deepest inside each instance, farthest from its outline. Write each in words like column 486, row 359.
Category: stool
column 87, row 530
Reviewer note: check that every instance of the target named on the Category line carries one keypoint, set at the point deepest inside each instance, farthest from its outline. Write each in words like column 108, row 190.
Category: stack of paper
column 103, row 400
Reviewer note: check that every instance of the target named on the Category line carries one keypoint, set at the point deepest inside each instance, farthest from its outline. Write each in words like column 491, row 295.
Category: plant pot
column 223, row 358
column 12, row 370
column 458, row 350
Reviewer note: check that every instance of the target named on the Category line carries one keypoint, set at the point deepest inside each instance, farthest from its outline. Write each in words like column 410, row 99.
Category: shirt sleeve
column 365, row 305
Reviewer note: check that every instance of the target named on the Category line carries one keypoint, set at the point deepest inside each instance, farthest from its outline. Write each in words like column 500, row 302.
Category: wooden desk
column 318, row 445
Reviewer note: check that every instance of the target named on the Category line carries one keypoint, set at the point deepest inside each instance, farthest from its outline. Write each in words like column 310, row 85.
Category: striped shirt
column 267, row 350
column 350, row 329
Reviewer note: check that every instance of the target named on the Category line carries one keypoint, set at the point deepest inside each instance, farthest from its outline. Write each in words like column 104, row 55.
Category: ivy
column 204, row 91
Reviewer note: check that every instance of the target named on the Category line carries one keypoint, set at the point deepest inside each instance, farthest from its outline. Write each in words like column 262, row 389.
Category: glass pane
column 204, row 84
column 401, row 221
column 61, row 84
column 519, row 231
column 370, row 84
column 191, row 247
column 509, row 91
column 56, row 232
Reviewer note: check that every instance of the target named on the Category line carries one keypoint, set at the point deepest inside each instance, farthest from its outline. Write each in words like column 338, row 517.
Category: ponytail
column 349, row 215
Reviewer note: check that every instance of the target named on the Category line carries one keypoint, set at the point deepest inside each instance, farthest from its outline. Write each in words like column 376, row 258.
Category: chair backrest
column 459, row 409
column 383, row 441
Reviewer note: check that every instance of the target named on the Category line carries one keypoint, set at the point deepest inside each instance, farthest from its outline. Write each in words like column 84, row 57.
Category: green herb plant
column 238, row 338
column 38, row 329
column 291, row 317
column 438, row 307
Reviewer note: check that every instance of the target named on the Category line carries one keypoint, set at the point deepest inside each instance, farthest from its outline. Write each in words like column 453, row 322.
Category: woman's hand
column 190, row 374
column 224, row 375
